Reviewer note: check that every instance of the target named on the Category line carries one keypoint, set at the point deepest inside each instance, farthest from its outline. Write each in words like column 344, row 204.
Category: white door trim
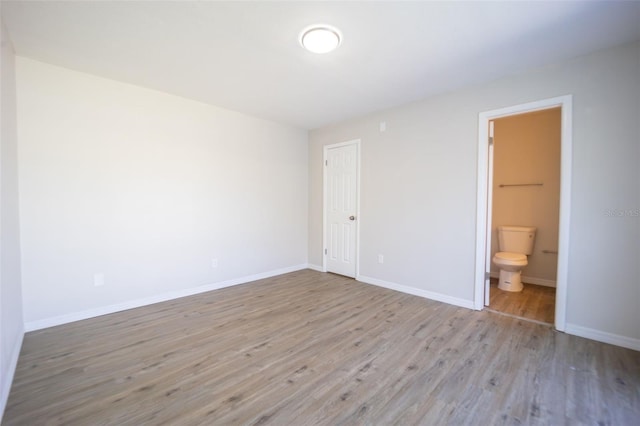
column 482, row 219
column 355, row 142
column 487, row 285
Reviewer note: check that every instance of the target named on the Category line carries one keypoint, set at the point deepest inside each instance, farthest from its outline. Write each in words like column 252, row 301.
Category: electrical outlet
column 214, row 263
column 380, row 259
column 383, row 126
column 98, row 279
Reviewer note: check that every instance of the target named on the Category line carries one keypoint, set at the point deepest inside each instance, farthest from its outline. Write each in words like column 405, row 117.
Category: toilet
column 515, row 243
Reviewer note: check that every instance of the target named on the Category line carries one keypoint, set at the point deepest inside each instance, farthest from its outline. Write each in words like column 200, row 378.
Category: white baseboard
column 531, row 280
column 539, row 281
column 7, row 380
column 603, row 336
column 315, row 267
column 130, row 304
column 417, row 292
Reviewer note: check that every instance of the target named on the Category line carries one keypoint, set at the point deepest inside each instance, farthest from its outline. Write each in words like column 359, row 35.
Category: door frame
column 325, row 157
column 483, row 221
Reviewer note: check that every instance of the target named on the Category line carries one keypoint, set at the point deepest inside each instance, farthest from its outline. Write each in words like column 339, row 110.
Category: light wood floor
column 308, row 348
column 534, row 302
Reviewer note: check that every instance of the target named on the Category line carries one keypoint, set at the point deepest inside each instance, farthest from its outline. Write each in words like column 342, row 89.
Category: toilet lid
column 514, row 257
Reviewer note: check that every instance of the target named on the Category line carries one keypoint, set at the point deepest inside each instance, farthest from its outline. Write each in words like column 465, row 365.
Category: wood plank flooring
column 308, row 348
column 534, row 302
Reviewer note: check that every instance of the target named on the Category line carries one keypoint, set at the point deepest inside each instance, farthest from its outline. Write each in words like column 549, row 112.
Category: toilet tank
column 516, row 239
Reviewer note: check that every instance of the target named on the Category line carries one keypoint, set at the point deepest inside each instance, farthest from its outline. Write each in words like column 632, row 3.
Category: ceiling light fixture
column 320, row 38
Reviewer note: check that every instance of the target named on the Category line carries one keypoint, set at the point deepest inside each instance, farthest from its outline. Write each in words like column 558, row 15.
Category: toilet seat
column 508, row 258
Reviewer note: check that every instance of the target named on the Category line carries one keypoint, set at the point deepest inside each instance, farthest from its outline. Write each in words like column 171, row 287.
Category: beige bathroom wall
column 527, row 150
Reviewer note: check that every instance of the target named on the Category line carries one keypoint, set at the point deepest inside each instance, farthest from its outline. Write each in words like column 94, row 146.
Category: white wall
column 11, row 321
column 146, row 188
column 418, row 184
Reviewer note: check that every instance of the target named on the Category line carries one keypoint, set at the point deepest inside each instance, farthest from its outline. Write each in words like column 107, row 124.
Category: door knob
column 352, row 218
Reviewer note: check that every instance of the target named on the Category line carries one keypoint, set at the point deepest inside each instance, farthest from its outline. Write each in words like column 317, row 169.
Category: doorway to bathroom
column 524, row 170
column 526, row 192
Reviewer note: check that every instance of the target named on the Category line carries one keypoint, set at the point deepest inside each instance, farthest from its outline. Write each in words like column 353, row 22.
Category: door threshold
column 486, row 308
column 340, row 275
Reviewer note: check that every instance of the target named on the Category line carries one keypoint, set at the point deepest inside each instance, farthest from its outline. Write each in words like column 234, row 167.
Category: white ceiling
column 245, row 56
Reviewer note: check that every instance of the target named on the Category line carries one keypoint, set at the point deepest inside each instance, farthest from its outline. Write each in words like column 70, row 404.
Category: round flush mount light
column 320, row 38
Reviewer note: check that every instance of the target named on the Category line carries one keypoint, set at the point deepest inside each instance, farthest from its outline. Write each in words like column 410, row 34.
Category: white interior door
column 341, row 167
